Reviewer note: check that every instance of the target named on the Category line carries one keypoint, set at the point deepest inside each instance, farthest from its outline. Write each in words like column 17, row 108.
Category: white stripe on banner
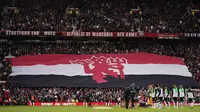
column 77, row 69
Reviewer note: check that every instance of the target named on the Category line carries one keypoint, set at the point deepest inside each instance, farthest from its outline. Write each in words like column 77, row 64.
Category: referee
column 127, row 94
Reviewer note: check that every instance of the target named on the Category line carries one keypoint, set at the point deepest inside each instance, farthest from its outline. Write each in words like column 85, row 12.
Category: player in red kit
column 6, row 97
column 1, row 101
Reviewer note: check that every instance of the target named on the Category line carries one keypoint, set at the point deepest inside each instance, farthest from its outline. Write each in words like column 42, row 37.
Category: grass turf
column 86, row 109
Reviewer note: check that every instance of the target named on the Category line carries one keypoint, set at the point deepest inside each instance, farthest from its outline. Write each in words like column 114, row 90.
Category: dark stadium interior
column 163, row 27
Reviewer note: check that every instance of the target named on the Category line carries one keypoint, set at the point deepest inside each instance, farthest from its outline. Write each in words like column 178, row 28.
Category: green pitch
column 86, row 109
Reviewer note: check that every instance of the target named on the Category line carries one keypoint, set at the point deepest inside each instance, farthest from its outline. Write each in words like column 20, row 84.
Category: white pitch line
column 102, row 108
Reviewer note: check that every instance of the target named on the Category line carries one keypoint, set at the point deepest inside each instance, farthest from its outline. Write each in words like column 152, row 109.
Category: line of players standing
column 177, row 95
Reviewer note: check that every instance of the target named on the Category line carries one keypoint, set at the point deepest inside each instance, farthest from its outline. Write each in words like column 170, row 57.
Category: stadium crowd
column 5, row 66
column 158, row 16
column 24, row 95
column 113, row 15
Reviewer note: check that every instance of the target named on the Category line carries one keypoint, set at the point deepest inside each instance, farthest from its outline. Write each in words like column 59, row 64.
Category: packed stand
column 23, row 95
column 113, row 15
column 5, row 66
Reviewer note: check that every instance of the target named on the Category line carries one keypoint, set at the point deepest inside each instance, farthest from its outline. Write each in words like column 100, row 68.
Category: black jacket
column 127, row 93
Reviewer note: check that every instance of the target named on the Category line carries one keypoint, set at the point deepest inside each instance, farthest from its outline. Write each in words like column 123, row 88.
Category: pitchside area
column 94, row 109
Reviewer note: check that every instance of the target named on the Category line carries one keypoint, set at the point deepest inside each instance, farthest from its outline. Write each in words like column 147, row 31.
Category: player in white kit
column 153, row 96
column 190, row 97
column 161, row 94
column 166, row 97
column 157, row 95
column 175, row 95
column 181, row 95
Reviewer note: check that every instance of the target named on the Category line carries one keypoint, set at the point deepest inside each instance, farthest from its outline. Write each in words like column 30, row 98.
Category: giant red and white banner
column 99, row 66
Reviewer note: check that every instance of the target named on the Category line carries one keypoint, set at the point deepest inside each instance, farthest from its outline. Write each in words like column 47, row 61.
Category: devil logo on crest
column 102, row 66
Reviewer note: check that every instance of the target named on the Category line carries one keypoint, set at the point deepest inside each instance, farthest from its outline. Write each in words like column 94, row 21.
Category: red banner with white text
column 71, row 104
column 82, row 104
column 72, row 34
column 91, row 34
